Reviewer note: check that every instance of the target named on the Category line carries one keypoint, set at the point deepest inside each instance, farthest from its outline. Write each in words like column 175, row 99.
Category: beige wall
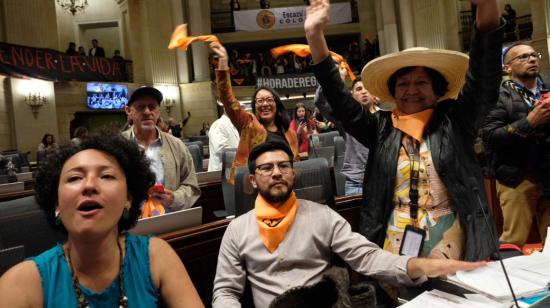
column 199, row 99
column 83, row 27
column 29, row 22
column 29, row 129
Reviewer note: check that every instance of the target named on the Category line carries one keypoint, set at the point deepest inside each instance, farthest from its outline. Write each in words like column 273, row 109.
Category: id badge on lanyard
column 413, row 237
column 412, row 242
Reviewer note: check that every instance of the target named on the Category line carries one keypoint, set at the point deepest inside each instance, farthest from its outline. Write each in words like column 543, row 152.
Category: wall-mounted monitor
column 106, row 96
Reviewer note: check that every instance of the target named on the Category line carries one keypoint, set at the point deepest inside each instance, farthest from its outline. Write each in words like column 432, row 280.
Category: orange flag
column 180, row 39
column 303, row 51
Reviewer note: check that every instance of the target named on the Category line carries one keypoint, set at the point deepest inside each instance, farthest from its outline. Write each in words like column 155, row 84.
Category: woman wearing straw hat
column 422, row 178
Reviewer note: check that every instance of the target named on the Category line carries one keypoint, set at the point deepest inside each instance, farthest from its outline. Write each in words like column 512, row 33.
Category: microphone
column 473, row 185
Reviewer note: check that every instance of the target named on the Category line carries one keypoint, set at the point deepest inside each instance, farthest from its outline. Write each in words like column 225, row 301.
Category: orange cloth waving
column 303, row 51
column 274, row 222
column 180, row 39
column 153, row 207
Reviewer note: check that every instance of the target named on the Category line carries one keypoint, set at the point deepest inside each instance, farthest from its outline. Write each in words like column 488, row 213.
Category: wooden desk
column 198, row 247
column 28, row 191
column 211, row 200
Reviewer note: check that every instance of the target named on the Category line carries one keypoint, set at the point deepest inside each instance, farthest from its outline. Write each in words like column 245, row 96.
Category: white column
column 406, row 22
column 540, row 39
column 179, row 15
column 199, row 24
column 390, row 39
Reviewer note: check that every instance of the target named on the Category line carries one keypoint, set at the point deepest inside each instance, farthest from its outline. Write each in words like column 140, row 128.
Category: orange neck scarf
column 412, row 124
column 274, row 222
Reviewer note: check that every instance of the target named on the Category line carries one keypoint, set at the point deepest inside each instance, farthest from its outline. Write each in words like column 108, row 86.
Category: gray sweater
column 301, row 259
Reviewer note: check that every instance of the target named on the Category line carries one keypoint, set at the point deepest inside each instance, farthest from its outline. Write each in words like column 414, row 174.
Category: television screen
column 107, row 96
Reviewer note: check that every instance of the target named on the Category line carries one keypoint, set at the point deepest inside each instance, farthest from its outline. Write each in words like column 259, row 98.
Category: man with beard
column 516, row 136
column 286, row 242
column 170, row 159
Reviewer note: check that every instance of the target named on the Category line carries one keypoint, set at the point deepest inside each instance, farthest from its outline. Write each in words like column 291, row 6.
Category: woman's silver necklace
column 81, row 300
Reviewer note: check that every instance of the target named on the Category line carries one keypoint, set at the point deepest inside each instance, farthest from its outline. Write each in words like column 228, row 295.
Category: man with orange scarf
column 286, row 242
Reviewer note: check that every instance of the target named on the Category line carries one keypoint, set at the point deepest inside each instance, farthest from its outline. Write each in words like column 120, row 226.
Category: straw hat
column 451, row 64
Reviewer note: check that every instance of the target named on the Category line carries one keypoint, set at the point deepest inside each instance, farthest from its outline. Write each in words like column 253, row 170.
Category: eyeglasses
column 141, row 107
column 526, row 56
column 267, row 101
column 267, row 169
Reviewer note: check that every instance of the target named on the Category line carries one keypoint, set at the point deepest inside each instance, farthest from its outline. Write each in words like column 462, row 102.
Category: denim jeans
column 353, row 188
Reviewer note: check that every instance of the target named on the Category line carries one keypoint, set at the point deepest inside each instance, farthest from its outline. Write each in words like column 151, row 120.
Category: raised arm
column 238, row 116
column 356, row 121
column 317, row 17
column 487, row 15
column 480, row 91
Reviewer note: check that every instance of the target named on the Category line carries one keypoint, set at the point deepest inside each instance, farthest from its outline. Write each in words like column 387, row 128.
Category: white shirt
column 153, row 154
column 222, row 135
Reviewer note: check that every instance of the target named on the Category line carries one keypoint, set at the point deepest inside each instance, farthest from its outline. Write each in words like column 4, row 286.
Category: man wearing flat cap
column 170, row 159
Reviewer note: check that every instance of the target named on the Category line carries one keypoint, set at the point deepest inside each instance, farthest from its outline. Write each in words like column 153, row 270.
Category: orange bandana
column 303, row 51
column 180, row 39
column 412, row 124
column 274, row 222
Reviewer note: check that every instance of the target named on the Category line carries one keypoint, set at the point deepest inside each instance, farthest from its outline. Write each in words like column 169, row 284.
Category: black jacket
column 514, row 148
column 450, row 135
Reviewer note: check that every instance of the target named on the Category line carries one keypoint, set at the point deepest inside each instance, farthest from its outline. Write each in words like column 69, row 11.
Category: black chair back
column 10, row 257
column 313, row 181
column 29, row 229
column 245, row 194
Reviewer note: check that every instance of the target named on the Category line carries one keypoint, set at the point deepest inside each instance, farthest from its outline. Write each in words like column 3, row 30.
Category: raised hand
column 317, row 15
column 220, row 51
column 487, row 14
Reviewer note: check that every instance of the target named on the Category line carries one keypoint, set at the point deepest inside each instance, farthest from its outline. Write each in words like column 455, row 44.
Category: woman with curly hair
column 94, row 192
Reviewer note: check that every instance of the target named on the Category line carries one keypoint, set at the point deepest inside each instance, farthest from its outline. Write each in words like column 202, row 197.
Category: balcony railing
column 522, row 30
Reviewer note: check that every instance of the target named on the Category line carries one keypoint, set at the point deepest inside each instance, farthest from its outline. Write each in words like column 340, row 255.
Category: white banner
column 285, row 17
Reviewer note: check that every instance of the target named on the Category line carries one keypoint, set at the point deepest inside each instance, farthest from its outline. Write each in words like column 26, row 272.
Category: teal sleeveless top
column 140, row 290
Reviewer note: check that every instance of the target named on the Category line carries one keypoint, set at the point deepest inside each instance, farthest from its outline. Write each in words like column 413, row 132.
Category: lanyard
column 413, row 149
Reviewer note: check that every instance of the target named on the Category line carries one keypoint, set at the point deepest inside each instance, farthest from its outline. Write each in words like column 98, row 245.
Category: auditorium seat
column 29, row 229
column 228, row 190
column 198, row 143
column 339, row 152
column 196, row 153
column 10, row 257
column 324, row 139
column 17, row 206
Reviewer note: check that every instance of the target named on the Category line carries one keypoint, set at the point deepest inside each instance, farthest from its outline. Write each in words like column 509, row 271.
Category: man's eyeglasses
column 267, row 169
column 268, row 101
column 141, row 107
column 526, row 56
